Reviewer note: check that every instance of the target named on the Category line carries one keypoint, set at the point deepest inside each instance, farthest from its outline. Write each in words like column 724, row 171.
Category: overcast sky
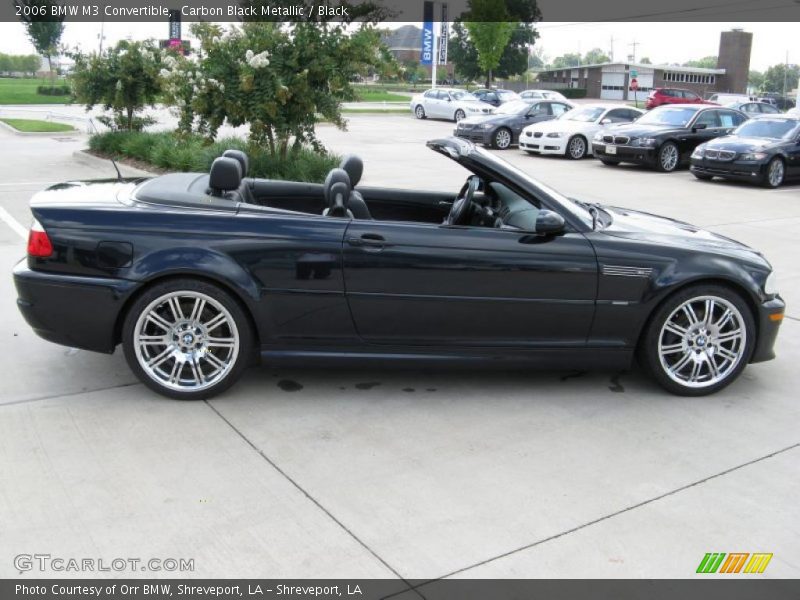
column 661, row 42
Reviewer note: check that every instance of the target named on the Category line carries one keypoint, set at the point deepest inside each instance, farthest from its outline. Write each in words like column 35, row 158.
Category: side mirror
column 550, row 222
column 605, row 121
column 698, row 127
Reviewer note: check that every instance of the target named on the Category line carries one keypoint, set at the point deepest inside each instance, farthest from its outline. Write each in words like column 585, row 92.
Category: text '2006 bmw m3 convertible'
column 197, row 275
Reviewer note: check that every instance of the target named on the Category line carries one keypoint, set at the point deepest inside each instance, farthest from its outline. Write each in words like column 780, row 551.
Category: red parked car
column 659, row 96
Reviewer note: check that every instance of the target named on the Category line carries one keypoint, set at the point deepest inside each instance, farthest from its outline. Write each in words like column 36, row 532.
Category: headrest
column 336, row 176
column 339, row 194
column 354, row 167
column 244, row 162
column 226, row 174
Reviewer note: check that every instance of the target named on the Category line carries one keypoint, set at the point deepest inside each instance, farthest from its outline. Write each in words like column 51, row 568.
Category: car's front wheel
column 668, row 157
column 576, row 147
column 458, row 115
column 776, row 172
column 187, row 339
column 501, row 139
column 419, row 111
column 699, row 340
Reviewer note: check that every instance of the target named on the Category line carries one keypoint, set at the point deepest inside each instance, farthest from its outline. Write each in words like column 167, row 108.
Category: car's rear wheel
column 459, row 115
column 668, row 157
column 576, row 147
column 501, row 139
column 187, row 339
column 699, row 340
column 609, row 163
column 419, row 111
column 776, row 172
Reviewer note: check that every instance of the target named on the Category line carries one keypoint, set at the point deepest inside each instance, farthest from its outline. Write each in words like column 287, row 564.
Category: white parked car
column 571, row 133
column 446, row 103
column 542, row 95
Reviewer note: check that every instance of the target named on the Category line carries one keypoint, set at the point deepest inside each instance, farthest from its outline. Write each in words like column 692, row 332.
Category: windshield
column 461, row 95
column 515, row 107
column 769, row 128
column 575, row 209
column 585, row 114
column 677, row 117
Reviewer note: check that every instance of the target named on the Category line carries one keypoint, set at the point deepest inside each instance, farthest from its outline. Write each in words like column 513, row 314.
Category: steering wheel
column 461, row 209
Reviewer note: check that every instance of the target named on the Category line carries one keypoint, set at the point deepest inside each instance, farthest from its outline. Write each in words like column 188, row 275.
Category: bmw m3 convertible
column 197, row 275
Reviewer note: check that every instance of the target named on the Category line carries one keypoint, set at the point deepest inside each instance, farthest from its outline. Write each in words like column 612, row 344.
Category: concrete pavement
column 352, row 473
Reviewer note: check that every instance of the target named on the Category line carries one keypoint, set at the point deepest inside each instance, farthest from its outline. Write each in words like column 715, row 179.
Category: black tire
column 458, row 115
column 671, row 149
column 234, row 326
column 419, row 112
column 609, row 163
column 578, row 141
column 703, row 176
column 502, row 139
column 774, row 181
column 657, row 364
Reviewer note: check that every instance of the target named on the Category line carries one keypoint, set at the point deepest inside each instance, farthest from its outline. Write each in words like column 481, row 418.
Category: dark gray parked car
column 502, row 128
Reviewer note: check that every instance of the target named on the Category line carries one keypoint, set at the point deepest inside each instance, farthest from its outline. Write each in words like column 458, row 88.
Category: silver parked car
column 448, row 103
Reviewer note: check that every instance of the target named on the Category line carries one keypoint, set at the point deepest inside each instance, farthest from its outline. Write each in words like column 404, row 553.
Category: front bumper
column 81, row 312
column 770, row 317
column 543, row 145
column 633, row 154
column 739, row 170
column 478, row 136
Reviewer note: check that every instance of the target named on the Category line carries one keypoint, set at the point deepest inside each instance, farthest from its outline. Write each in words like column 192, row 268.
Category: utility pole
column 633, row 45
column 785, row 73
column 611, row 52
column 102, row 35
column 435, row 54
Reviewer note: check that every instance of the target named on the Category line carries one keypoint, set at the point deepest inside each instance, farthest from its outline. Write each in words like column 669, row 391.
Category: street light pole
column 435, row 53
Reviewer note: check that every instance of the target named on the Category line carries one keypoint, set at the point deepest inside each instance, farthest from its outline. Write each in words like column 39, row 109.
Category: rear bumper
column 80, row 312
column 768, row 329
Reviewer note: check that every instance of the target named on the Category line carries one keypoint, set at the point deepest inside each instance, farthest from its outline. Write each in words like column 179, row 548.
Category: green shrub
column 171, row 152
column 53, row 90
column 573, row 92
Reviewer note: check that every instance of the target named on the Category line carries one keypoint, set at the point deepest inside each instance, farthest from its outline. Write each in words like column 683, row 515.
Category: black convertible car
column 764, row 150
column 197, row 275
column 665, row 137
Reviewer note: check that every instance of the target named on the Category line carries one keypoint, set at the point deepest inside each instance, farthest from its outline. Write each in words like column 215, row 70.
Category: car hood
column 635, row 130
column 495, row 119
column 647, row 227
column 560, row 125
column 741, row 144
column 474, row 104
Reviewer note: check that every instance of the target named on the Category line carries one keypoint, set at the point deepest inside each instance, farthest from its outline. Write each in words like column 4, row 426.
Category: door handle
column 370, row 240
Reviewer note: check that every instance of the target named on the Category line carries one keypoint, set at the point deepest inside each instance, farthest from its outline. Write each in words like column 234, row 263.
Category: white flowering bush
column 124, row 80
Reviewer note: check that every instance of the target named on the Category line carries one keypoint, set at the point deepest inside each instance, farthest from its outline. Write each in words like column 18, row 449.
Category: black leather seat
column 337, row 194
column 354, row 167
column 225, row 179
column 246, row 189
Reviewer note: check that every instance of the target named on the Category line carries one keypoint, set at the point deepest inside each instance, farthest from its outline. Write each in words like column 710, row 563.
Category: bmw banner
column 426, row 55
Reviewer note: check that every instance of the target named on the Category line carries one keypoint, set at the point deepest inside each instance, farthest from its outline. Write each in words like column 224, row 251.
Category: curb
column 10, row 129
column 105, row 163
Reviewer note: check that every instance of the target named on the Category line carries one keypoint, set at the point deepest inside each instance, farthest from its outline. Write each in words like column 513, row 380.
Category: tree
column 645, row 61
column 775, row 75
column 596, row 56
column 707, row 62
column 489, row 32
column 123, row 79
column 44, row 34
column 755, row 80
column 571, row 59
column 537, row 59
column 514, row 60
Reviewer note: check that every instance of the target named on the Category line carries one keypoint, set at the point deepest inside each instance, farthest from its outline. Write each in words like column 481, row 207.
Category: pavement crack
column 313, row 500
column 68, row 394
column 616, row 513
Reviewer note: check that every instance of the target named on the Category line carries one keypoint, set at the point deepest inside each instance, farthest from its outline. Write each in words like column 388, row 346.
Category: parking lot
column 404, row 474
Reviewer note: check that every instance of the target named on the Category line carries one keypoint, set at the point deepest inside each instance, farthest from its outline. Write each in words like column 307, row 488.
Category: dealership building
column 612, row 80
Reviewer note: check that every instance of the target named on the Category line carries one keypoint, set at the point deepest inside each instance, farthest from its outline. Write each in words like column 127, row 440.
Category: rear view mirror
column 548, row 221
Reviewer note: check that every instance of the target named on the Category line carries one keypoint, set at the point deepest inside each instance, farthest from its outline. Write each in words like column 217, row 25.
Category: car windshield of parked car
column 769, row 128
column 677, row 117
column 515, row 107
column 586, row 114
column 461, row 95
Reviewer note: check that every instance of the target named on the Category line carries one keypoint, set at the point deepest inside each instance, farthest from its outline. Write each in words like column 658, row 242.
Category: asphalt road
column 347, row 473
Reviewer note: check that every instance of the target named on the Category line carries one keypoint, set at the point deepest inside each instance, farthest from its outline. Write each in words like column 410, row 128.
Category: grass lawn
column 23, row 91
column 34, row 126
column 379, row 95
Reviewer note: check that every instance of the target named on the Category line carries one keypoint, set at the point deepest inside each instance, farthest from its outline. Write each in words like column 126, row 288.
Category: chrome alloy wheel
column 186, row 341
column 669, row 157
column 502, row 139
column 577, row 147
column 702, row 341
column 775, row 173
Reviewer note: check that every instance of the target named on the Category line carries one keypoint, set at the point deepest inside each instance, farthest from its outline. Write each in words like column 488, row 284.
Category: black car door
column 705, row 126
column 793, row 159
column 416, row 283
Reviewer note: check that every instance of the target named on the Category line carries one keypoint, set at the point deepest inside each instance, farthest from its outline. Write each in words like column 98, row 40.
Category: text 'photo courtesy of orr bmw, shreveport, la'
column 198, row 275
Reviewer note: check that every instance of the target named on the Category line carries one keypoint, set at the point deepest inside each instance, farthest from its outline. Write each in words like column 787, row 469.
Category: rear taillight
column 39, row 245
